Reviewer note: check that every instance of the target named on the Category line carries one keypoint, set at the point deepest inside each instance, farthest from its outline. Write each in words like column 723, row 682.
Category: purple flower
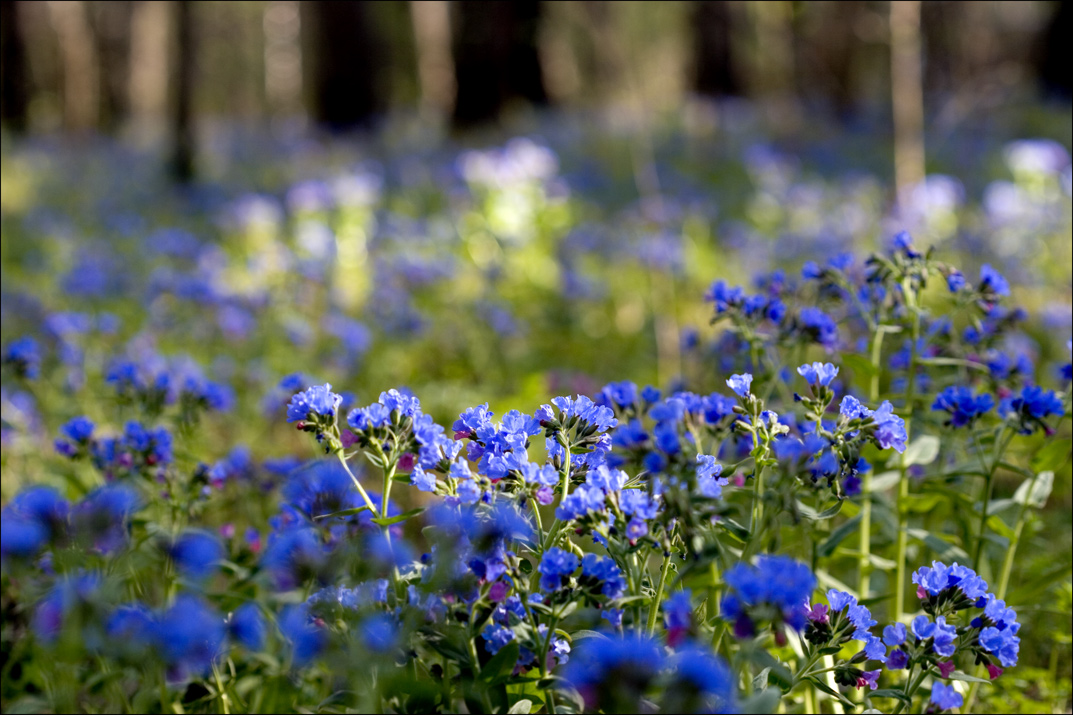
column 869, row 678
column 897, row 660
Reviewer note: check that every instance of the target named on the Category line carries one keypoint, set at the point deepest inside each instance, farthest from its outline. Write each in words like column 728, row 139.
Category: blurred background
column 153, row 71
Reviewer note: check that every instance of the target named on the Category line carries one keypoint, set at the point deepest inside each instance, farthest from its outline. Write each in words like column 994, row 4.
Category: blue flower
column 580, row 502
column 840, row 600
column 724, row 297
column 945, row 697
column 321, row 488
column 247, row 626
column 897, row 660
column 24, row 356
column 597, row 669
column 875, row 650
column 1003, row 644
column 942, row 635
column 740, row 384
column 101, row 517
column 425, row 481
column 619, row 394
column 379, row 633
column 703, row 672
column 604, row 571
column 852, row 409
column 1032, row 406
column 955, row 281
column 189, row 636
column 306, row 640
column 890, row 428
column 316, row 401
column 678, row 616
column 819, row 327
column 818, row 373
column 777, row 581
column 197, row 553
column 964, row 406
column 495, row 637
column 45, row 506
column 991, row 281
column 894, row 634
column 555, row 566
column 904, row 242
column 78, row 429
column 20, row 537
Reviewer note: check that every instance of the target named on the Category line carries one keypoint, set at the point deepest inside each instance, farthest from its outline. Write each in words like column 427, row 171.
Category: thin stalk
column 360, row 488
column 903, row 481
column 1007, row 563
column 220, row 690
column 1004, row 442
column 653, row 610
column 911, row 688
column 864, row 566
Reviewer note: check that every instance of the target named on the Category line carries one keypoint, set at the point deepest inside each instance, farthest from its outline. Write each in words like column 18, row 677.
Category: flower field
column 578, row 420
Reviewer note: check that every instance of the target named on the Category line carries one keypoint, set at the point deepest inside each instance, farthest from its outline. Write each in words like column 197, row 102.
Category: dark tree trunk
column 343, row 63
column 111, row 22
column 1056, row 59
column 182, row 164
column 14, row 89
column 496, row 59
column 715, row 74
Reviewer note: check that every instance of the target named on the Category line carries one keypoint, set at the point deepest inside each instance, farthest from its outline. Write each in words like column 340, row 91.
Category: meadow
column 580, row 418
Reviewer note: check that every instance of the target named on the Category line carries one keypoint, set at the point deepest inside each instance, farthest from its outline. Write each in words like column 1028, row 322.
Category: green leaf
column 832, row 692
column 942, row 548
column 923, row 450
column 763, row 702
column 760, row 681
column 967, row 678
column 859, row 364
column 583, row 635
column 392, row 520
column 521, row 707
column 884, row 481
column 344, row 512
column 1053, row 455
column 1034, row 492
column 888, row 693
column 830, row 511
column 502, row 663
column 837, row 536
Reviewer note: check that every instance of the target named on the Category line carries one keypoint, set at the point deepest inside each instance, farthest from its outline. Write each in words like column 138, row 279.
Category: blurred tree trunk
column 283, row 56
column 772, row 75
column 435, row 65
column 343, row 63
column 714, row 71
column 81, row 68
column 150, row 44
column 907, row 94
column 14, row 79
column 183, row 76
column 1055, row 59
column 111, row 23
column 496, row 59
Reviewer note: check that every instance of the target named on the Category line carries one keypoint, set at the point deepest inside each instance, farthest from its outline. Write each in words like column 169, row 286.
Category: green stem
column 220, row 690
column 553, row 535
column 911, row 688
column 864, row 566
column 903, row 481
column 1007, row 563
column 361, row 489
column 653, row 610
column 1004, row 442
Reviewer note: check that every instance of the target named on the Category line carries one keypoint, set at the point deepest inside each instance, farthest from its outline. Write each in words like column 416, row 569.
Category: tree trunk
column 182, row 121
column 81, row 67
column 111, row 24
column 14, row 81
column 435, row 64
column 496, row 59
column 343, row 63
column 714, row 71
column 1055, row 59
